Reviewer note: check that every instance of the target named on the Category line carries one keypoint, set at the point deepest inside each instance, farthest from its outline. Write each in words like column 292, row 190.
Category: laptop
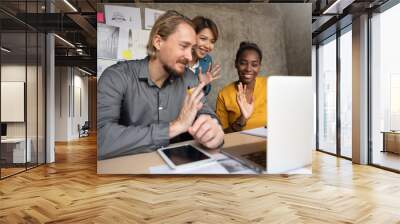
column 252, row 155
column 290, row 139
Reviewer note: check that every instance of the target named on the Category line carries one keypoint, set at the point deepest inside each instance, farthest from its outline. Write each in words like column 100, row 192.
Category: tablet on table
column 184, row 156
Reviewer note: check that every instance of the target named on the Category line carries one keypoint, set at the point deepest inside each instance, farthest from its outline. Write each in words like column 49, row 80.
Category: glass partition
column 22, row 66
column 14, row 154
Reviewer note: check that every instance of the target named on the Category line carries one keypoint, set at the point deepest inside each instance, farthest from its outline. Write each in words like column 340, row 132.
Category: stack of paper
column 260, row 132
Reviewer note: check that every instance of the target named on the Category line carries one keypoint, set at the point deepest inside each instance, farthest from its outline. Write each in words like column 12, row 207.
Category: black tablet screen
column 184, row 154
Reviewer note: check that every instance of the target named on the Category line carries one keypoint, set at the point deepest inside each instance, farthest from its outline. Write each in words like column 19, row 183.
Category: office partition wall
column 22, row 64
column 13, row 96
column 385, row 88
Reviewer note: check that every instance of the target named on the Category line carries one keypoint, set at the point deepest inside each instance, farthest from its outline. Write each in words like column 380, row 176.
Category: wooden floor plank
column 70, row 191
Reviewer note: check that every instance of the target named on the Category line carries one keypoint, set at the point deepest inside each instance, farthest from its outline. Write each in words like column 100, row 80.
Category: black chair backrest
column 86, row 125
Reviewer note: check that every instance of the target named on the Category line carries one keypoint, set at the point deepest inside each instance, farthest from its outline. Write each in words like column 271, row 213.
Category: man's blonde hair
column 164, row 26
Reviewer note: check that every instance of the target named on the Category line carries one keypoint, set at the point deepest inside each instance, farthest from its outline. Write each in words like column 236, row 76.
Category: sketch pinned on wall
column 122, row 38
column 132, row 44
column 150, row 16
column 102, row 64
column 107, row 41
column 122, row 16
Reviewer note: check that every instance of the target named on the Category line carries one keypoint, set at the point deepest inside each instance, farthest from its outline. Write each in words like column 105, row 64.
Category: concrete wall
column 297, row 20
column 283, row 32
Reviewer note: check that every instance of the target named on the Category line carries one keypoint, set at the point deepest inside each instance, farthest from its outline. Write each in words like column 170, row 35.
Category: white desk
column 17, row 146
column 141, row 163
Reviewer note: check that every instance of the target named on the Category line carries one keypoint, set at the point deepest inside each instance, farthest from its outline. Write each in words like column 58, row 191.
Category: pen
column 190, row 90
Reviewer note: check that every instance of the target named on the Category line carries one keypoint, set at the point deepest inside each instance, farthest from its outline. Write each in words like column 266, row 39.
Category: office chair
column 84, row 130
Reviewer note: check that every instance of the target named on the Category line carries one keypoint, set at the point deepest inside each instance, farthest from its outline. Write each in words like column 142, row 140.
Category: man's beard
column 174, row 72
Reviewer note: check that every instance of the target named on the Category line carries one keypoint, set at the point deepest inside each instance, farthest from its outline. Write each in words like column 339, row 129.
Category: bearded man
column 143, row 104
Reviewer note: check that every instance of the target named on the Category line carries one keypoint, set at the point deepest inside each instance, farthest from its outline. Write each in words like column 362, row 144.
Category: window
column 327, row 95
column 346, row 92
column 385, row 88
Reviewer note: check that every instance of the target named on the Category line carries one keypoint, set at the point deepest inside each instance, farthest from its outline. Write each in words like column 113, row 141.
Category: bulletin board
column 12, row 101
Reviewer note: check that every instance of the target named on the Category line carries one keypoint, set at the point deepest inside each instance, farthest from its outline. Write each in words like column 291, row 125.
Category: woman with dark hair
column 201, row 65
column 241, row 105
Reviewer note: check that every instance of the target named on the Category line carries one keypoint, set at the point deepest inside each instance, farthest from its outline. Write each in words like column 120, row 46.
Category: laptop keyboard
column 257, row 157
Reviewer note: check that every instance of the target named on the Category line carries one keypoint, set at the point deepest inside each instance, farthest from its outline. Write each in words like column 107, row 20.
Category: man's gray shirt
column 133, row 113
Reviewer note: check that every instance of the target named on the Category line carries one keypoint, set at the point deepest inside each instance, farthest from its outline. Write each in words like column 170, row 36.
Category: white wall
column 79, row 117
column 33, row 126
column 61, row 103
column 70, row 83
column 13, row 73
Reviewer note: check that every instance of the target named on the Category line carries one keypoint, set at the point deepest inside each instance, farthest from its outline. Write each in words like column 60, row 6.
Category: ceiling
column 77, row 26
column 332, row 15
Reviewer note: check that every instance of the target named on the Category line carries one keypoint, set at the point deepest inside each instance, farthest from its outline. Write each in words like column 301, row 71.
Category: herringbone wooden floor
column 70, row 191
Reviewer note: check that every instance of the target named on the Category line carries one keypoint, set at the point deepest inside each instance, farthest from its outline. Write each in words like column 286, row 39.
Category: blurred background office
column 47, row 79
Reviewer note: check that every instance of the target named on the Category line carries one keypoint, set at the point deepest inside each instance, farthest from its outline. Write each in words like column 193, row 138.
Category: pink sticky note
column 100, row 17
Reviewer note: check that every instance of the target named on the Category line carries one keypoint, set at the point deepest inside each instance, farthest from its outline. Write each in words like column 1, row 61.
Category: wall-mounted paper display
column 121, row 16
column 150, row 16
column 102, row 64
column 12, row 101
column 132, row 43
column 107, row 41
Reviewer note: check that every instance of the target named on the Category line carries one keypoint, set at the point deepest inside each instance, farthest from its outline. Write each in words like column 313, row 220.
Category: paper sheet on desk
column 232, row 166
column 260, row 132
column 221, row 165
column 208, row 168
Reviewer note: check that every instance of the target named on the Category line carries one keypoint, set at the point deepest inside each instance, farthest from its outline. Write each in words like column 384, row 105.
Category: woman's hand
column 246, row 106
column 210, row 75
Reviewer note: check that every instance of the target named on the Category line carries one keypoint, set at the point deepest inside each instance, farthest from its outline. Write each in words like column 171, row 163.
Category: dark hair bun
column 246, row 45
